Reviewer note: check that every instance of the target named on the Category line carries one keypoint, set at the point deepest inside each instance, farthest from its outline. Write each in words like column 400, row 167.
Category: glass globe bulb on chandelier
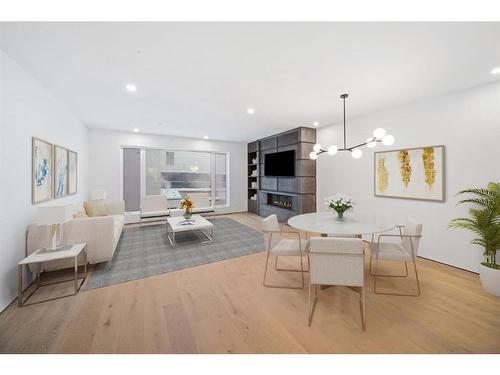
column 379, row 136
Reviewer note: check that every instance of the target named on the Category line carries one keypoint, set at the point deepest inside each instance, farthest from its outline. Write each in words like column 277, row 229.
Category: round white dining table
column 326, row 223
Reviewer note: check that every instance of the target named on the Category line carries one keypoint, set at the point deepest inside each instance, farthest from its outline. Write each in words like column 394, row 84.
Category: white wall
column 466, row 122
column 27, row 110
column 105, row 160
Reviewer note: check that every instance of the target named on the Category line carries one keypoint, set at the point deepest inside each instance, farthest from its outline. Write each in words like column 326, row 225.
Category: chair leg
column 265, row 269
column 282, row 286
column 313, row 304
column 416, row 276
column 362, row 305
column 397, row 294
column 309, row 315
column 302, row 270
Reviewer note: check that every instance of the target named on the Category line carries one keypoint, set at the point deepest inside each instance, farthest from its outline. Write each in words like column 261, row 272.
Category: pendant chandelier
column 379, row 136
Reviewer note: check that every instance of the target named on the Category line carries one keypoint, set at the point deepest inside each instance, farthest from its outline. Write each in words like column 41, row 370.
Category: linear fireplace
column 278, row 200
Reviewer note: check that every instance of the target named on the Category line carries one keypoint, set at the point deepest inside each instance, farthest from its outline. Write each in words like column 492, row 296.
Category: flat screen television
column 280, row 164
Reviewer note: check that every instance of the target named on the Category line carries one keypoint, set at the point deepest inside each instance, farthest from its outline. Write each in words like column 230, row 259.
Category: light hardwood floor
column 223, row 308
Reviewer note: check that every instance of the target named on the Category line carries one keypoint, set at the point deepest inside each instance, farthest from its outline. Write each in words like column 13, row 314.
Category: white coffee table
column 43, row 255
column 196, row 222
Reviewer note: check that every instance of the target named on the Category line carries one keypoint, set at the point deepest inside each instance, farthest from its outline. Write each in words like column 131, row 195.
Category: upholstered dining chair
column 278, row 246
column 336, row 261
column 405, row 250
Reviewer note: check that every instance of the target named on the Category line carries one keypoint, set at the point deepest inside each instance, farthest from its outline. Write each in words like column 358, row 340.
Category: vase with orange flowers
column 187, row 206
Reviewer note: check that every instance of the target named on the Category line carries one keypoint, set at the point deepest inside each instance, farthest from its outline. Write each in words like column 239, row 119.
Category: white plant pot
column 490, row 279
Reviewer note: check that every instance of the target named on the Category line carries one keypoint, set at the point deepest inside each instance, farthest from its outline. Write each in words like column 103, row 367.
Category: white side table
column 43, row 255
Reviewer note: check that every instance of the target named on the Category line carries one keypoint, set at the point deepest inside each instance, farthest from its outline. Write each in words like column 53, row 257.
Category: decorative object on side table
column 41, row 181
column 54, row 216
column 485, row 223
column 412, row 173
column 340, row 204
column 187, row 205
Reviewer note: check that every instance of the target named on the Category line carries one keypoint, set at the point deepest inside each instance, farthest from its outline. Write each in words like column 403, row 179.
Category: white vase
column 490, row 279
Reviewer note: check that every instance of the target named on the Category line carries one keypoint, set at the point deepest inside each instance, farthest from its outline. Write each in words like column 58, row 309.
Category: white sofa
column 99, row 224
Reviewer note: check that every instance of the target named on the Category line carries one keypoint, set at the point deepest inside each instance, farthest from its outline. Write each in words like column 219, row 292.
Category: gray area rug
column 146, row 251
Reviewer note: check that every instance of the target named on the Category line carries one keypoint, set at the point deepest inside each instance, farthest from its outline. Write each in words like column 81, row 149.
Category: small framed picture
column 41, row 171
column 72, row 172
column 60, row 172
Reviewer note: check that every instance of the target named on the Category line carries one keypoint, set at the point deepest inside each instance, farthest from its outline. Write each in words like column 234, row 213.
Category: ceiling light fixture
column 495, row 70
column 250, row 111
column 379, row 136
column 205, row 136
column 136, row 130
column 130, row 87
column 315, row 123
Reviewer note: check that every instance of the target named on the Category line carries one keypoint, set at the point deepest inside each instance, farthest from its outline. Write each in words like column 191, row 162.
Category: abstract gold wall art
column 412, row 173
column 430, row 171
column 404, row 160
column 382, row 175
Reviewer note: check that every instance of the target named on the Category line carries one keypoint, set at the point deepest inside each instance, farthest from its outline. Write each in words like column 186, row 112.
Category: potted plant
column 187, row 205
column 340, row 204
column 484, row 222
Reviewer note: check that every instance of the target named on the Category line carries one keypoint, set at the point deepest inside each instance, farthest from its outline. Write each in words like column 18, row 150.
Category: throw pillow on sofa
column 96, row 208
column 79, row 212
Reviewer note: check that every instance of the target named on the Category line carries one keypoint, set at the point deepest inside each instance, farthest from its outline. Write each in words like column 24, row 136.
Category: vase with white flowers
column 340, row 204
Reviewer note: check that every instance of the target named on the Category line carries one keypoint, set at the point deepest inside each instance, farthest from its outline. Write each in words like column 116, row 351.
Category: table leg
column 20, row 285
column 85, row 264
column 76, row 274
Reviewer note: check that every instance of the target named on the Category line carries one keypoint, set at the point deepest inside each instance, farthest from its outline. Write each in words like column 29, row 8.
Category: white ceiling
column 198, row 79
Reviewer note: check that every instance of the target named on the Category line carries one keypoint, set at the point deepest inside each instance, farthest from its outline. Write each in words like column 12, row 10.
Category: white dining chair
column 405, row 250
column 277, row 246
column 336, row 261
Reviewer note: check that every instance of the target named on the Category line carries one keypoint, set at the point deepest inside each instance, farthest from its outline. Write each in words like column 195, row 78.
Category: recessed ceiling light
column 136, row 130
column 131, row 87
column 250, row 111
column 205, row 136
column 495, row 70
column 315, row 123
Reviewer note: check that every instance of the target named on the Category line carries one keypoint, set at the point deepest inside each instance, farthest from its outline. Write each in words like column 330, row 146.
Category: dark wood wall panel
column 301, row 187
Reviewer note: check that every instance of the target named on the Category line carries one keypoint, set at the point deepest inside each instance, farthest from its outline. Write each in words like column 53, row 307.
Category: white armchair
column 279, row 246
column 336, row 261
column 405, row 250
column 153, row 207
